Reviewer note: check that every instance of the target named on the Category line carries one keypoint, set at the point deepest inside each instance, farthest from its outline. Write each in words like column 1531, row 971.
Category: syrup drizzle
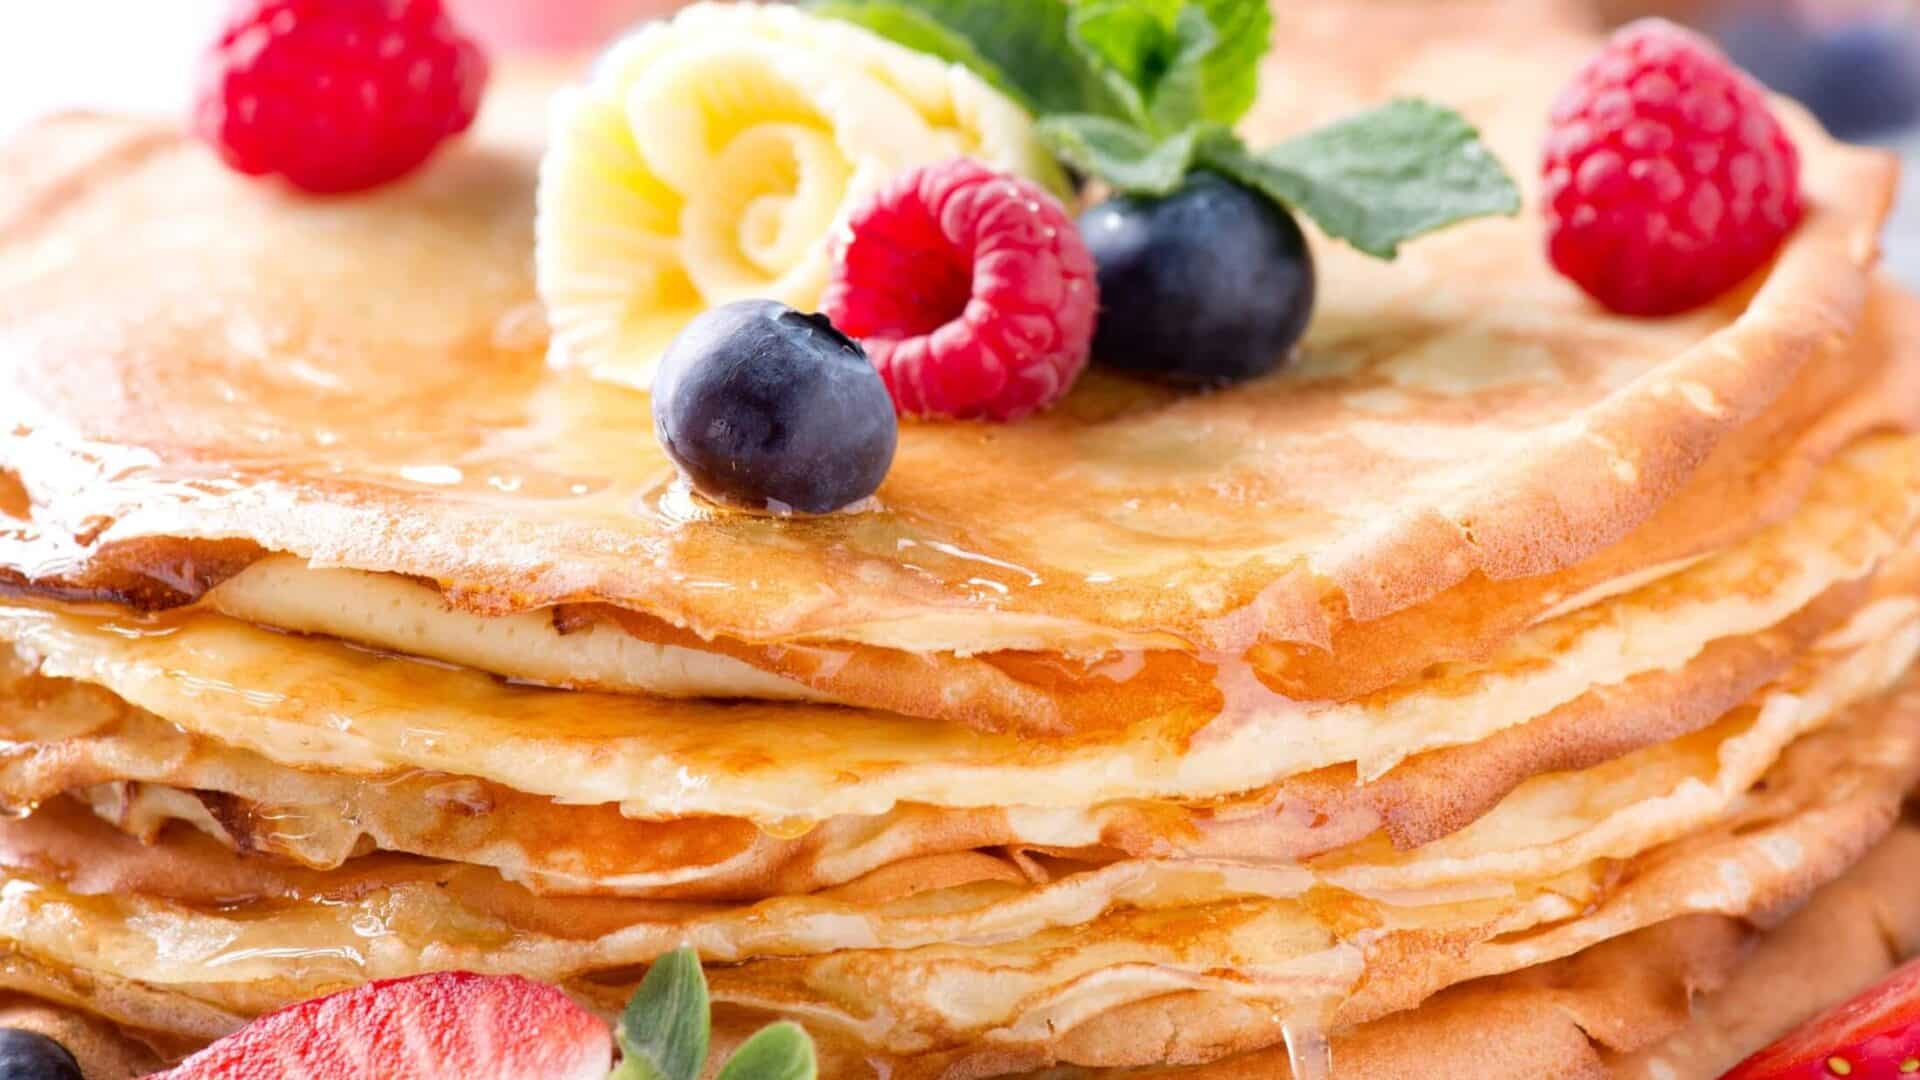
column 1309, row 1054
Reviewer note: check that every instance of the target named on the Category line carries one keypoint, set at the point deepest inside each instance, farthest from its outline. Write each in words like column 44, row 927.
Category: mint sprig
column 1122, row 155
column 1020, row 46
column 1379, row 178
column 1139, row 93
column 666, row 1030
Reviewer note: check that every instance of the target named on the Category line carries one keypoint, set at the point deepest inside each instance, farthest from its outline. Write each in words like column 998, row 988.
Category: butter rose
column 713, row 157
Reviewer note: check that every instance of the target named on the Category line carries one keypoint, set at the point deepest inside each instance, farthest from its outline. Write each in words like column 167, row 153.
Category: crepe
column 1493, row 643
column 1459, row 418
column 1681, row 1000
column 599, row 646
column 191, row 921
column 313, row 703
column 143, row 772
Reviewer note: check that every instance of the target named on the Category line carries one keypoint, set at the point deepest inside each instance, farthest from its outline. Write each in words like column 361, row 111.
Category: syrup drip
column 1304, row 1028
column 1309, row 1054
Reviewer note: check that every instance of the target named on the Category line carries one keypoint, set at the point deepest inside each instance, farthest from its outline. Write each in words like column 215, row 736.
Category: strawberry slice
column 429, row 1027
column 1873, row 1036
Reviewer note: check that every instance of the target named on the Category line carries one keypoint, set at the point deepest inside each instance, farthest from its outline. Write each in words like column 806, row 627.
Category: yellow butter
column 713, row 158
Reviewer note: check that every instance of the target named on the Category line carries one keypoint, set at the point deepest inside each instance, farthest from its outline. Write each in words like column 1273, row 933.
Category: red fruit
column 1668, row 180
column 970, row 290
column 429, row 1027
column 337, row 95
column 1875, row 1036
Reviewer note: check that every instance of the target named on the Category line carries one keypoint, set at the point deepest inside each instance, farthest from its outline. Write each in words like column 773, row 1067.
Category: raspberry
column 337, row 95
column 971, row 291
column 1668, row 180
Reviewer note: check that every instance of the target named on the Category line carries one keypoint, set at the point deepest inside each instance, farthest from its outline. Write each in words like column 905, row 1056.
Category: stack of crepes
column 1495, row 645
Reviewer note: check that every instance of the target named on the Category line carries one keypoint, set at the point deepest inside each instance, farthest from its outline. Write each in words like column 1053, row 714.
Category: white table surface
column 105, row 54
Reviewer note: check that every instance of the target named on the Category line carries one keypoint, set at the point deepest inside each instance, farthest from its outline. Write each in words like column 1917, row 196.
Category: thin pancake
column 176, row 403
column 1681, row 1000
column 1751, row 482
column 103, row 1051
column 1073, row 993
column 66, row 736
column 312, row 703
column 1758, row 865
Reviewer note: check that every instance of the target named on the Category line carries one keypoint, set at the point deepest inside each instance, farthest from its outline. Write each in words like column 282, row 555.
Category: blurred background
column 1854, row 62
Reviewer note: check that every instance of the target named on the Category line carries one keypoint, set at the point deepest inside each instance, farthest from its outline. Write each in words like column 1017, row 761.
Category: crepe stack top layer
column 347, row 639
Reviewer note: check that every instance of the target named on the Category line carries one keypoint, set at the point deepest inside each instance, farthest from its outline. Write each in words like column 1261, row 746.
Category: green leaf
column 1152, row 56
column 1140, row 92
column 1119, row 153
column 1130, row 37
column 904, row 25
column 664, row 1032
column 777, row 1052
column 1230, row 77
column 1175, row 63
column 1025, row 40
column 1377, row 179
column 1118, row 41
column 1178, row 97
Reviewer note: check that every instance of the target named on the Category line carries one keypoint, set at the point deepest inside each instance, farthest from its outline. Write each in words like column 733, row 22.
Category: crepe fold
column 1498, row 669
column 1132, row 963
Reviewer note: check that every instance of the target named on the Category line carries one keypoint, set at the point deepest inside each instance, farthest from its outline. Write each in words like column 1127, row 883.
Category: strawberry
column 429, row 1027
column 1873, row 1036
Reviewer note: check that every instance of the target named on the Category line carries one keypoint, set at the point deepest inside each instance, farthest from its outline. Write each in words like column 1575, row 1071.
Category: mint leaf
column 776, row 1052
column 663, row 1033
column 1175, row 63
column 1152, row 56
column 1230, row 71
column 1130, row 37
column 907, row 26
column 1119, row 153
column 1377, row 179
column 1024, row 40
column 1140, row 92
column 1179, row 94
column 1124, row 43
column 1330, row 208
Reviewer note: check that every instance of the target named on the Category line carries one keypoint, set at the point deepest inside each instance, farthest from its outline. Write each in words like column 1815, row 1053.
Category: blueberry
column 29, row 1055
column 1771, row 43
column 1211, row 284
column 1860, row 74
column 1867, row 79
column 768, row 409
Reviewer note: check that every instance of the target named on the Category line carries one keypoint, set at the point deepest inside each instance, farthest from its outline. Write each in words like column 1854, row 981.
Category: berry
column 29, row 1055
column 1667, row 179
column 1858, row 72
column 1866, row 78
column 971, row 291
column 768, row 409
column 1876, row 1034
column 337, row 95
column 451, row 1023
column 1211, row 284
